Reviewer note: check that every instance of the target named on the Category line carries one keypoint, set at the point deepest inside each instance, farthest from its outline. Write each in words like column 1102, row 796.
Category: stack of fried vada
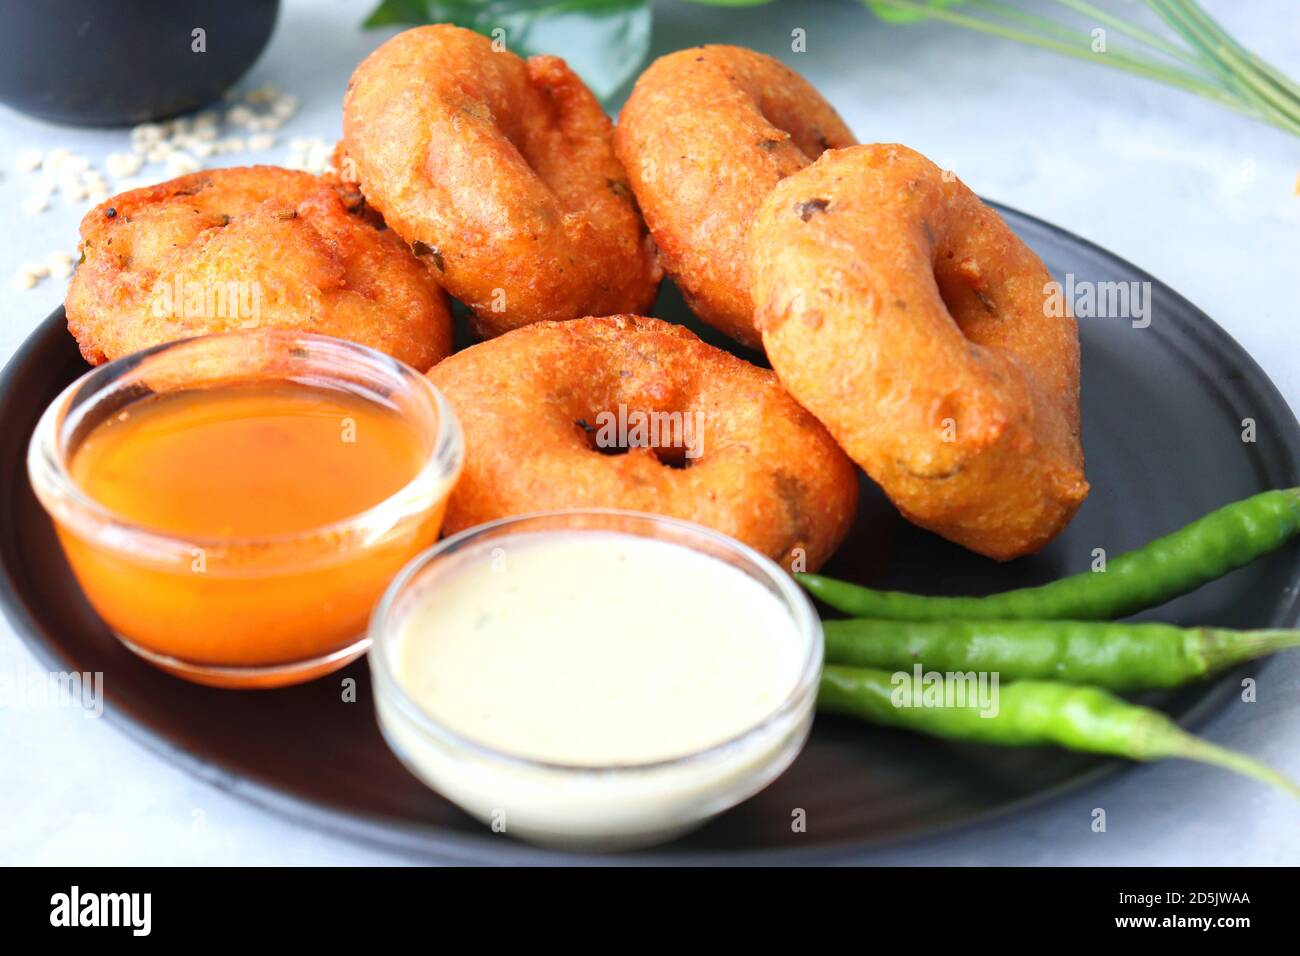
column 904, row 321
column 893, row 304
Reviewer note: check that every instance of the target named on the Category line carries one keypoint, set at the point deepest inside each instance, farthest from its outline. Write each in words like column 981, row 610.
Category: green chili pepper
column 1028, row 714
column 1206, row 549
column 1116, row 656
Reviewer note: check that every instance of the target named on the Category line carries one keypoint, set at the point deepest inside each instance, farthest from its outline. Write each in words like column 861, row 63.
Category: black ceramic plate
column 1162, row 416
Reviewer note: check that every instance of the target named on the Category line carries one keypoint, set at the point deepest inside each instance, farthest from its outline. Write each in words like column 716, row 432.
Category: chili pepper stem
column 1223, row 648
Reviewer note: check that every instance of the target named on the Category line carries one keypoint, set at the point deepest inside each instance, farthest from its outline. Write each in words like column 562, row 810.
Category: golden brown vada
column 563, row 415
column 705, row 135
column 909, row 318
column 501, row 175
column 224, row 249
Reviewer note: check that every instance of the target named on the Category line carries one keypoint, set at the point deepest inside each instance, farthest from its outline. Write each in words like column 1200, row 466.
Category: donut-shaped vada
column 906, row 315
column 226, row 249
column 637, row 413
column 705, row 135
column 501, row 175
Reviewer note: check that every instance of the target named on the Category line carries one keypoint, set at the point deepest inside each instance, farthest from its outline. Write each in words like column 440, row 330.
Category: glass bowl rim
column 67, row 503
column 806, row 622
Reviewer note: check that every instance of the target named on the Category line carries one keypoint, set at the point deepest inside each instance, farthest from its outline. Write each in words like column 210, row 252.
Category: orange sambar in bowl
column 233, row 506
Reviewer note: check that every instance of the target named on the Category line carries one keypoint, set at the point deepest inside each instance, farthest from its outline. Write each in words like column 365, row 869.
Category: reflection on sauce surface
column 247, row 460
column 254, row 475
column 597, row 648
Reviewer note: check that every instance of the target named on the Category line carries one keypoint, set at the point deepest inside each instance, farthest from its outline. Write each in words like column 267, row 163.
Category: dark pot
column 115, row 62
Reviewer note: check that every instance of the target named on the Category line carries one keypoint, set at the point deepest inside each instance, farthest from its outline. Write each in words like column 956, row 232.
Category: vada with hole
column 907, row 316
column 637, row 413
column 705, row 135
column 500, row 174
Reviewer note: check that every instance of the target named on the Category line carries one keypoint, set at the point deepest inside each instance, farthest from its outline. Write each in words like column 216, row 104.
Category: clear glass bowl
column 254, row 612
column 578, row 806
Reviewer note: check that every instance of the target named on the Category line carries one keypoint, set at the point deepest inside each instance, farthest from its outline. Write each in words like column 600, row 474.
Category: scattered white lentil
column 239, row 116
column 159, row 152
column 180, row 163
column 29, row 161
column 265, row 94
column 312, row 155
column 73, row 189
column 147, row 133
column 180, row 145
column 59, row 264
column 120, row 165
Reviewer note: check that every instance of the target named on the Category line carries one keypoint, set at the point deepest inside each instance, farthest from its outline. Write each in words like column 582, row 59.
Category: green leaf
column 887, row 11
column 392, row 12
column 604, row 41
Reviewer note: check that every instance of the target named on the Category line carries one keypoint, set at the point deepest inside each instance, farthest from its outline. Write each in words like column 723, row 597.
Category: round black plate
column 1162, row 413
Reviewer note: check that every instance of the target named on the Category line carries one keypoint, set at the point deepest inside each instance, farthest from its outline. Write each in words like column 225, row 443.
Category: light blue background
column 1200, row 197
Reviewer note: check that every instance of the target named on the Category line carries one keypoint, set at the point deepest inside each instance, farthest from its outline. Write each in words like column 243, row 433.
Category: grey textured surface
column 1200, row 197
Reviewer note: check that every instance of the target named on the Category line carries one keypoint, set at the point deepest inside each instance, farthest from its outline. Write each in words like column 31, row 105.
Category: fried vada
column 637, row 413
column 705, row 135
column 907, row 316
column 225, row 249
column 500, row 174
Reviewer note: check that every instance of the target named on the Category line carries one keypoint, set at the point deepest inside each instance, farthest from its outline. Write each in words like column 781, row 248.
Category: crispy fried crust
column 531, row 405
column 225, row 249
column 501, row 175
column 705, row 135
column 905, row 314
